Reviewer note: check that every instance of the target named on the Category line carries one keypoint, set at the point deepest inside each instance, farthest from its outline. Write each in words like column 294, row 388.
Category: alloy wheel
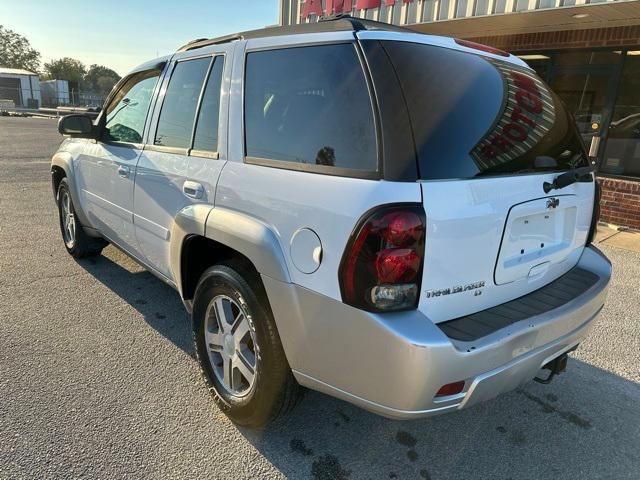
column 231, row 346
column 68, row 220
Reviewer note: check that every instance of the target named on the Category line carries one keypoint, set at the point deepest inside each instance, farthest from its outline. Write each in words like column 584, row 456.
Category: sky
column 121, row 34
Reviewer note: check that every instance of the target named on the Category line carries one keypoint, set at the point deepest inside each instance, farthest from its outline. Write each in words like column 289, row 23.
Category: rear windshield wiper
column 582, row 174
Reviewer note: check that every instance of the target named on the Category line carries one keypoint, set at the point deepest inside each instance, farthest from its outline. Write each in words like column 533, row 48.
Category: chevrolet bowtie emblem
column 553, row 202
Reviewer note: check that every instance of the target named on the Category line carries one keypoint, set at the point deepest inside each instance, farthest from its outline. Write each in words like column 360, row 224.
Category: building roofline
column 17, row 71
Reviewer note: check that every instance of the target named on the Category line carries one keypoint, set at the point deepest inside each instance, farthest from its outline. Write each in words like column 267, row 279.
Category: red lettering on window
column 312, row 6
column 524, row 81
column 339, row 6
column 501, row 143
column 517, row 115
column 366, row 4
column 529, row 101
column 488, row 151
column 515, row 132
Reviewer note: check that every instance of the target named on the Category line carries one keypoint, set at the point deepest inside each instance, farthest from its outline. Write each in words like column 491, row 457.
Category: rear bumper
column 393, row 364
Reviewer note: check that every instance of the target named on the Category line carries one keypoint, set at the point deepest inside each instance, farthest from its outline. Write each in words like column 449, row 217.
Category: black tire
column 80, row 245
column 274, row 390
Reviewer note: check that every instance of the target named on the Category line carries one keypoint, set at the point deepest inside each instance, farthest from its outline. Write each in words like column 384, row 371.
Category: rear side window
column 177, row 116
column 206, row 136
column 474, row 116
column 309, row 106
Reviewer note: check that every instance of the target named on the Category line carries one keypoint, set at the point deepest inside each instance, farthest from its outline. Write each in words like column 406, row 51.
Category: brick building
column 587, row 50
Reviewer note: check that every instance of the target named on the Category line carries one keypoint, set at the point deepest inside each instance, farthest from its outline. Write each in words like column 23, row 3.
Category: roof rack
column 203, row 42
column 328, row 23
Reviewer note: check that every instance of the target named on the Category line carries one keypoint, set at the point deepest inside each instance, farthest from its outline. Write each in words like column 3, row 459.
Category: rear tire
column 242, row 361
column 76, row 241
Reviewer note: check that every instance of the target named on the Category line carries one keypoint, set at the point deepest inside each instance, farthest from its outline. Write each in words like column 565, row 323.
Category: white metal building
column 55, row 92
column 21, row 87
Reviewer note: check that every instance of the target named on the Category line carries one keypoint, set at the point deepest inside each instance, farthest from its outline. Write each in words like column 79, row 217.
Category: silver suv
column 399, row 220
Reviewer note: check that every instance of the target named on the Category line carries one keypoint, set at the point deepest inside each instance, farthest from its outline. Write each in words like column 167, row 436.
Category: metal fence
column 74, row 98
column 16, row 98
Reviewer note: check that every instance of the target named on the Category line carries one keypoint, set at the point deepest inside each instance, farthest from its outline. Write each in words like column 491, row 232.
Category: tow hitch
column 555, row 367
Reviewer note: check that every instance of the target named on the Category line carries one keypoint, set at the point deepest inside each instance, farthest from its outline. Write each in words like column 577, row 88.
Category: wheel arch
column 203, row 237
column 62, row 167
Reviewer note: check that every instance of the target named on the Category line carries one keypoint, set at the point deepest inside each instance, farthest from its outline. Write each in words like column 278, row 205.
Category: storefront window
column 622, row 152
column 546, row 3
column 461, row 9
column 429, row 12
column 540, row 63
column 481, row 7
column 396, row 14
column 412, row 12
column 500, row 6
column 597, row 57
column 444, row 9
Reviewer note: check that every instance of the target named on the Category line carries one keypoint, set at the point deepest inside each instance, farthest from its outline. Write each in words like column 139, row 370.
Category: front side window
column 177, row 116
column 127, row 111
column 309, row 106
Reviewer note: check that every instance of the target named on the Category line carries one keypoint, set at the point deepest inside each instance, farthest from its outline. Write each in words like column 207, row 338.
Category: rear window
column 473, row 116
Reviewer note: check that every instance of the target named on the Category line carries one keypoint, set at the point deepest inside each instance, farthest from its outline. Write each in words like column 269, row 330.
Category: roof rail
column 355, row 22
column 203, row 42
column 328, row 23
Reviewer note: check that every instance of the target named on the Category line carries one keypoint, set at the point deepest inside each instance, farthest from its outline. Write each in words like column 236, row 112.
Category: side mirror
column 76, row 126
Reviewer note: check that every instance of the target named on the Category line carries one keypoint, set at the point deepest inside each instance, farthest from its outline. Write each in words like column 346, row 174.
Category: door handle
column 123, row 171
column 193, row 189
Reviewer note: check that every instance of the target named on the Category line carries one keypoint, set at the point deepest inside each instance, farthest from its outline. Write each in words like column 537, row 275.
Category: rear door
column 488, row 135
column 185, row 153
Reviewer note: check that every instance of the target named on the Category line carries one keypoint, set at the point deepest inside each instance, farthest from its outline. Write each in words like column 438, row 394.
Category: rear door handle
column 193, row 189
column 123, row 171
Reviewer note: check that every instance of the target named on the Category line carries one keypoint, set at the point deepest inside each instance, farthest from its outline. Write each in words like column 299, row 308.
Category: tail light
column 595, row 218
column 381, row 268
column 481, row 47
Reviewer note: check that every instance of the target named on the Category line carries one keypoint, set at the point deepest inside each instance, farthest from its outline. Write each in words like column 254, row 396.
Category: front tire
column 239, row 349
column 76, row 241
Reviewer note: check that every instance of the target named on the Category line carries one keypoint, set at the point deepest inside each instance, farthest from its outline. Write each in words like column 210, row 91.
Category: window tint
column 180, row 101
column 474, row 116
column 206, row 137
column 309, row 105
column 127, row 112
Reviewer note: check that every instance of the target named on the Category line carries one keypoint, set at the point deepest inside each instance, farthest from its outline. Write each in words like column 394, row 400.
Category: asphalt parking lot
column 98, row 378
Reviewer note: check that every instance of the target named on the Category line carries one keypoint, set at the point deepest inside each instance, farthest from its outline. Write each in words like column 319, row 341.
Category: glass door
column 589, row 93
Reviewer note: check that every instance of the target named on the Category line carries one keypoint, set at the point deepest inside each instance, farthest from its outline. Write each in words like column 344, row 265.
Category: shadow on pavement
column 583, row 425
column 157, row 302
column 586, row 424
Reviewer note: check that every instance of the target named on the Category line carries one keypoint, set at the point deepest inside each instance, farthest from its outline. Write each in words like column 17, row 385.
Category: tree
column 100, row 79
column 65, row 69
column 16, row 52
